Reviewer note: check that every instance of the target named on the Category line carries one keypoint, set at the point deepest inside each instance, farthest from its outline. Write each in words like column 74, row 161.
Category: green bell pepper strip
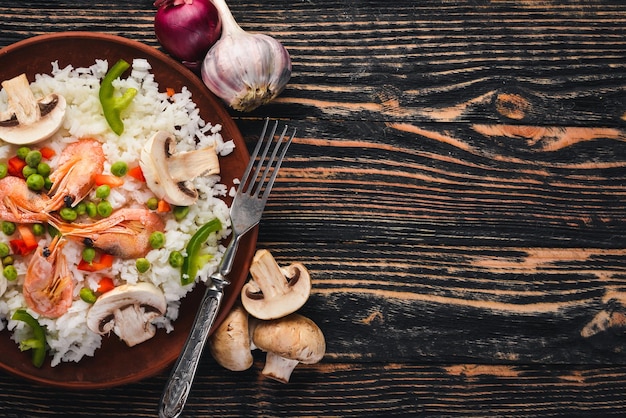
column 112, row 106
column 193, row 261
column 38, row 343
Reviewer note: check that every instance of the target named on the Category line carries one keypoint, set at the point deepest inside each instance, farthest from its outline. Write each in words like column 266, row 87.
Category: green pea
column 47, row 183
column 4, row 170
column 35, row 182
column 8, row 260
column 152, row 203
column 91, row 209
column 142, row 265
column 87, row 295
column 44, row 169
column 39, row 229
column 28, row 171
column 104, row 208
column 81, row 208
column 53, row 231
column 22, row 152
column 176, row 259
column 157, row 239
column 4, row 250
column 119, row 169
column 180, row 212
column 33, row 158
column 10, row 273
column 8, row 227
column 89, row 254
column 68, row 214
column 102, row 192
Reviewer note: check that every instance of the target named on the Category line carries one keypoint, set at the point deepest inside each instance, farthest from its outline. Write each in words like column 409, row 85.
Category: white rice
column 68, row 337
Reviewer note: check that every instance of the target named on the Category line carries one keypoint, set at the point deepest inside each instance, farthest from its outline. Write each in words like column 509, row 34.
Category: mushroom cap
column 275, row 292
column 128, row 311
column 230, row 343
column 294, row 337
column 288, row 341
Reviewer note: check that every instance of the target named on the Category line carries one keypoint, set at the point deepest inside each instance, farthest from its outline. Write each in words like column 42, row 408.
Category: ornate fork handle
column 181, row 378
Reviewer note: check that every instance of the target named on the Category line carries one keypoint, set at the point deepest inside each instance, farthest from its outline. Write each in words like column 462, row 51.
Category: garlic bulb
column 245, row 70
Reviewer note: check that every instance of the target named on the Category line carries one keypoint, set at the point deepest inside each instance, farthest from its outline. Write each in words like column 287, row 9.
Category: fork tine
column 279, row 161
column 253, row 179
column 245, row 177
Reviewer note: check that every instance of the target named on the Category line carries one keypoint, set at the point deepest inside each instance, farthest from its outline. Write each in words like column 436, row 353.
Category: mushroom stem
column 21, row 100
column 268, row 276
column 278, row 368
column 191, row 164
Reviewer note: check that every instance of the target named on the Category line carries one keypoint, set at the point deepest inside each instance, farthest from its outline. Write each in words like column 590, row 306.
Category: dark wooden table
column 457, row 189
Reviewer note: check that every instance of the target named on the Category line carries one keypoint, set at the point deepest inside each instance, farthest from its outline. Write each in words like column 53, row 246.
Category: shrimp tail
column 13, row 213
column 64, row 175
column 112, row 224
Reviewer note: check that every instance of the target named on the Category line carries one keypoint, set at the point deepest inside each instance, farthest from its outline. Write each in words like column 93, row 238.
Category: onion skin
column 187, row 29
column 245, row 70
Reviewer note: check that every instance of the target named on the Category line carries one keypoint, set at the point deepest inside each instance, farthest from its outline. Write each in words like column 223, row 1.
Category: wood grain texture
column 457, row 189
column 354, row 390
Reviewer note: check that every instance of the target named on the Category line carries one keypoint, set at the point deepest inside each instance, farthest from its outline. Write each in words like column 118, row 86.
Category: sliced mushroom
column 288, row 341
column 27, row 119
column 274, row 292
column 128, row 311
column 230, row 344
column 169, row 174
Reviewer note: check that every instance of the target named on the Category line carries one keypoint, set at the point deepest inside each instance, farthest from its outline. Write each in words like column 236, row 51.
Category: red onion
column 187, row 29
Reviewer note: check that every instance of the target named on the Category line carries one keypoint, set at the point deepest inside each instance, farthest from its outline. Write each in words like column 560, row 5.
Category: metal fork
column 245, row 212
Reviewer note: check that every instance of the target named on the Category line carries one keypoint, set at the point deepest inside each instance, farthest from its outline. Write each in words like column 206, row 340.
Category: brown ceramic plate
column 114, row 363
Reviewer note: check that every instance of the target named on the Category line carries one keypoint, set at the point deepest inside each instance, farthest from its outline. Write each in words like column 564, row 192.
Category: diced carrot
column 163, row 206
column 136, row 173
column 47, row 152
column 106, row 284
column 104, row 261
column 108, row 179
column 27, row 235
column 15, row 166
column 170, row 91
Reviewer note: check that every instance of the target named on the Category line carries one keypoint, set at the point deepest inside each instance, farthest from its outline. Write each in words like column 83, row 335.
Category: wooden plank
column 511, row 250
column 352, row 390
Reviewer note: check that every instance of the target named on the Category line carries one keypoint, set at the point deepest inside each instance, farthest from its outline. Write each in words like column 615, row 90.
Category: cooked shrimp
column 48, row 285
column 20, row 204
column 126, row 233
column 74, row 177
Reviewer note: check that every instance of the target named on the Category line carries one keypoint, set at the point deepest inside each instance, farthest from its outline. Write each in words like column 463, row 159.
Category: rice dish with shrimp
column 67, row 336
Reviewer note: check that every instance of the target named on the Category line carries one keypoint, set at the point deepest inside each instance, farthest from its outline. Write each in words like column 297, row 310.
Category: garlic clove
column 245, row 70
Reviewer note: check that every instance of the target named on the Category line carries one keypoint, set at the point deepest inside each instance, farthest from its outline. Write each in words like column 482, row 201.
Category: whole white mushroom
column 288, row 341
